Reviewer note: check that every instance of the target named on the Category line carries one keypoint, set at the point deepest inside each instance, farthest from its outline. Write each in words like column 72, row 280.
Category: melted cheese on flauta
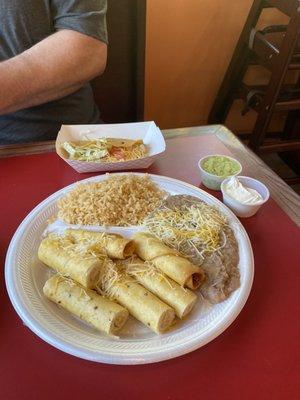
column 113, row 276
column 147, row 268
column 86, row 247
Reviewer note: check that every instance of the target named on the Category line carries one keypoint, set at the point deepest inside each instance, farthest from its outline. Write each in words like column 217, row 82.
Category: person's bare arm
column 53, row 68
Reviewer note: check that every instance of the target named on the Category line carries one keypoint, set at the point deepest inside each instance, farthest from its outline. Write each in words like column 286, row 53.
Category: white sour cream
column 241, row 193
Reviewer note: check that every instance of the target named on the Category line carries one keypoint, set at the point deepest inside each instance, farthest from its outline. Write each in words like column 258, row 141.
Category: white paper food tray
column 146, row 131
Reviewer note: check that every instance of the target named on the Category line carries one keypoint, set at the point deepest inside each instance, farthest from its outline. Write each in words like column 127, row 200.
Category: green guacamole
column 220, row 166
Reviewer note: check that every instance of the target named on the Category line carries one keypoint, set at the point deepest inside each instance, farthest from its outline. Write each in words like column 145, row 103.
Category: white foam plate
column 25, row 277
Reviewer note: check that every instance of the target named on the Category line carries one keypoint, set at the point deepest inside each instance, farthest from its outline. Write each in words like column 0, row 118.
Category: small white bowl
column 212, row 181
column 245, row 210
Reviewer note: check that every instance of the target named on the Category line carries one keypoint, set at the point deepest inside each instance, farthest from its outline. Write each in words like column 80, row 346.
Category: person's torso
column 23, row 23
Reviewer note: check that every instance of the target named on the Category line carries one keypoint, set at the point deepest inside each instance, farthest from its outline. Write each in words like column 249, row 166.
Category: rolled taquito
column 101, row 313
column 140, row 302
column 113, row 245
column 179, row 298
column 83, row 268
column 168, row 260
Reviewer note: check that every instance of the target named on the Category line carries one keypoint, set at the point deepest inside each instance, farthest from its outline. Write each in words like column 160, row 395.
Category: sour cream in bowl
column 244, row 195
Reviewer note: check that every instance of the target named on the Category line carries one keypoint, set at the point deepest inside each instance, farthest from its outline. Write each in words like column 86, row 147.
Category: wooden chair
column 255, row 47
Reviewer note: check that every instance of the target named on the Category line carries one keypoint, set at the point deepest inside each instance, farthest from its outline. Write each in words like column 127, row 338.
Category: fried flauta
column 179, row 298
column 114, row 246
column 103, row 314
column 83, row 268
column 140, row 302
column 168, row 260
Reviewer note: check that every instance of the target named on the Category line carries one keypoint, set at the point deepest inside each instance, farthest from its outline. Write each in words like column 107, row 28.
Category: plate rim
column 193, row 344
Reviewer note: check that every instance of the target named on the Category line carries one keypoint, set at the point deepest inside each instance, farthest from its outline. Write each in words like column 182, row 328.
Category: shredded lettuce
column 90, row 151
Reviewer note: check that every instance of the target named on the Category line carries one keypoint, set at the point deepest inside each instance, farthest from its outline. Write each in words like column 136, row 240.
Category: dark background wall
column 119, row 92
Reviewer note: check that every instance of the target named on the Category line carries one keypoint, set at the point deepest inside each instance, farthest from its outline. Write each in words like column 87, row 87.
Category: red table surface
column 257, row 357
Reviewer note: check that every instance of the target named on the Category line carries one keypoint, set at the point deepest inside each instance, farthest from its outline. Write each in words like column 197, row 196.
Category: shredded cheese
column 84, row 296
column 136, row 152
column 198, row 224
column 112, row 277
column 137, row 269
column 87, row 248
